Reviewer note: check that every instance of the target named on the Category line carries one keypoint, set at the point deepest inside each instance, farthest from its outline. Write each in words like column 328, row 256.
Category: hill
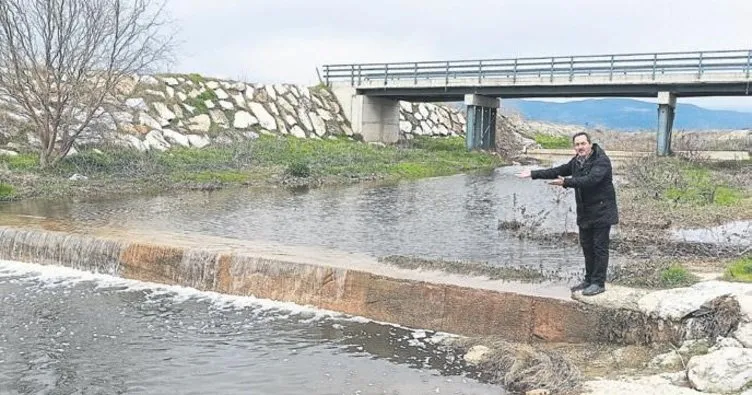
column 627, row 114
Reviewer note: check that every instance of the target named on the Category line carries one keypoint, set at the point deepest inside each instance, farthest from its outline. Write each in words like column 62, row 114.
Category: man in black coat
column 589, row 173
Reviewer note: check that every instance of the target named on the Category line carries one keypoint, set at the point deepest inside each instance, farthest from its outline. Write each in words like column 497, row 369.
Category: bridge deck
column 715, row 73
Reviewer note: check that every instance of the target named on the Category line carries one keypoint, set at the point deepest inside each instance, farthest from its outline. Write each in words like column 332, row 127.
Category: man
column 589, row 173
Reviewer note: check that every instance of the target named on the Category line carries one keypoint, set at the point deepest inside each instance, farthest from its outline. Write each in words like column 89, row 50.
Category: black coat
column 593, row 185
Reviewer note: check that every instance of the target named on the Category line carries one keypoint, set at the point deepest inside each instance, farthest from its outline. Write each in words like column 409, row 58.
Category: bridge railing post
column 386, row 73
column 352, row 75
column 415, row 74
column 360, row 74
column 514, row 75
column 655, row 64
column 699, row 67
column 446, row 76
column 611, row 70
column 326, row 74
column 480, row 71
column 571, row 68
column 749, row 61
column 552, row 69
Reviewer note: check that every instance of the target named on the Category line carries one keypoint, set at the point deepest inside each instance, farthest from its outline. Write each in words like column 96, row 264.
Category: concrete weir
column 343, row 282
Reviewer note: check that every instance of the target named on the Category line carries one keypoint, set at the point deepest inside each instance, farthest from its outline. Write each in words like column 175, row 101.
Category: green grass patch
column 553, row 142
column 685, row 182
column 6, row 191
column 653, row 274
column 209, row 176
column 676, row 276
column 195, row 78
column 21, row 162
column 266, row 158
column 740, row 270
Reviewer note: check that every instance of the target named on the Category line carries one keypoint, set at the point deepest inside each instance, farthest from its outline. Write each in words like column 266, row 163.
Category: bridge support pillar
column 480, row 129
column 373, row 118
column 666, row 111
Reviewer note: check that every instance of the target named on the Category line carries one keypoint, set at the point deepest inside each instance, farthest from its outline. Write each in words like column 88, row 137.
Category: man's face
column 582, row 146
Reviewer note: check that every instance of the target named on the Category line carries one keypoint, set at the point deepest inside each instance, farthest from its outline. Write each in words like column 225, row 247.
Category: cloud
column 285, row 40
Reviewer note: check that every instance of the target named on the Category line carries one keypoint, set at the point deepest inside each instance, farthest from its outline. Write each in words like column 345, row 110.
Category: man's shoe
column 580, row 286
column 593, row 289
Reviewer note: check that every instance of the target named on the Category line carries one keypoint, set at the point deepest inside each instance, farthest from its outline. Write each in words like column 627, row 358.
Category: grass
column 740, row 270
column 678, row 192
column 6, row 191
column 553, row 142
column 676, row 276
column 21, row 162
column 653, row 274
column 268, row 159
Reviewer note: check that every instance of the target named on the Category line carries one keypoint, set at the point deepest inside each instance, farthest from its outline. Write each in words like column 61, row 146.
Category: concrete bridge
column 370, row 92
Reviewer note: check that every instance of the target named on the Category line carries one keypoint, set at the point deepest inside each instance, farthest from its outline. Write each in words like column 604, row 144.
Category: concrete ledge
column 342, row 282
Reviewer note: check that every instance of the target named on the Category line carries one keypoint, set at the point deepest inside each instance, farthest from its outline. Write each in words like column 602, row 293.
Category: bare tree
column 62, row 61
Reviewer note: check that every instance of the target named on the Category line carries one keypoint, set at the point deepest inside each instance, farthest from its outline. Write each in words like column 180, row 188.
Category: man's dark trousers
column 594, row 242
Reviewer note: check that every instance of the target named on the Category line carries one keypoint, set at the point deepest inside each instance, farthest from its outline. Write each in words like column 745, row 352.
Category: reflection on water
column 448, row 217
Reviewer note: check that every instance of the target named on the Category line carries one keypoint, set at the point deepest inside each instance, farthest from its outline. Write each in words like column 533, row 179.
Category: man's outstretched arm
column 564, row 170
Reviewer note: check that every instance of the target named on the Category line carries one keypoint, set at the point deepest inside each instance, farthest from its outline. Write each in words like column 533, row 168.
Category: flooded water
column 448, row 217
column 69, row 332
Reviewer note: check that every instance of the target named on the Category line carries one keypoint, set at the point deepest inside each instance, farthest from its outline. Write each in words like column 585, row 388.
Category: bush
column 298, row 168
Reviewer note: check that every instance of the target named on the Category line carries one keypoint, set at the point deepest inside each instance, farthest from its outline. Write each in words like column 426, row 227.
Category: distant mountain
column 627, row 114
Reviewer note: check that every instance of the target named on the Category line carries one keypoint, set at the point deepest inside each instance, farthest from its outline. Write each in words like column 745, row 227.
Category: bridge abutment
column 666, row 112
column 480, row 129
column 376, row 119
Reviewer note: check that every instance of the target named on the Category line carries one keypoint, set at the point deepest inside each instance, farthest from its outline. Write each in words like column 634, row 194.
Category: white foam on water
column 53, row 276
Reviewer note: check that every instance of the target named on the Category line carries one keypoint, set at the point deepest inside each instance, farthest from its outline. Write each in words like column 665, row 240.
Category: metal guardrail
column 653, row 64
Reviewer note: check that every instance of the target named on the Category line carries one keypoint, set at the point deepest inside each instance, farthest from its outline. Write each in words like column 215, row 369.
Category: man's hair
column 578, row 134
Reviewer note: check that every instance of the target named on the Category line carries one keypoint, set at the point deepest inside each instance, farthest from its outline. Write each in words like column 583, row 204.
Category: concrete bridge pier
column 480, row 128
column 376, row 119
column 666, row 111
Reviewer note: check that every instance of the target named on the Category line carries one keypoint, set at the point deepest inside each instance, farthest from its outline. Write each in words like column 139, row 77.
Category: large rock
column 199, row 123
column 219, row 118
column 175, row 138
column 239, row 100
column 476, row 354
column 243, row 120
column 676, row 303
column 297, row 131
column 137, row 103
column 198, row 141
column 170, row 81
column 744, row 334
column 304, row 121
column 221, row 94
column 146, row 120
column 163, row 111
column 265, row 119
column 405, row 127
column 726, row 370
column 318, row 124
column 155, row 140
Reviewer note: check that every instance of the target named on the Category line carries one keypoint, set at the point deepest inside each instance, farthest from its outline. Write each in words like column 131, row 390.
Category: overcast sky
column 285, row 40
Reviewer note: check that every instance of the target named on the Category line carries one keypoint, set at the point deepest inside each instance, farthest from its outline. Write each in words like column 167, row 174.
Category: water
column 448, row 217
column 69, row 332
